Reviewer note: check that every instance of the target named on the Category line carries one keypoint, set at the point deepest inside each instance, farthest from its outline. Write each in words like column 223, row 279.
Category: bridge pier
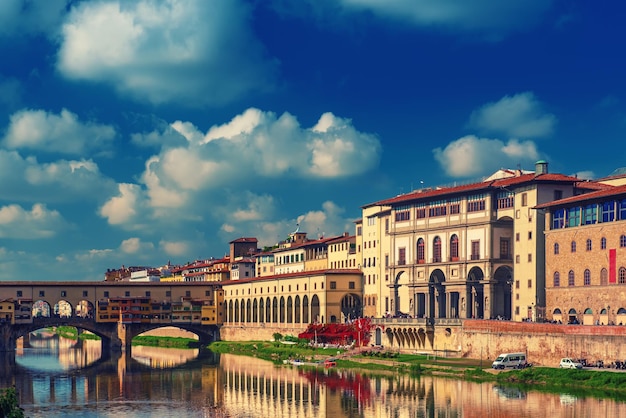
column 124, row 337
column 7, row 338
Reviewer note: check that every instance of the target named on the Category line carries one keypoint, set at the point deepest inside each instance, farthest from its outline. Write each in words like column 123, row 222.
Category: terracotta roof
column 593, row 185
column 244, row 239
column 600, row 194
column 429, row 194
column 292, row 275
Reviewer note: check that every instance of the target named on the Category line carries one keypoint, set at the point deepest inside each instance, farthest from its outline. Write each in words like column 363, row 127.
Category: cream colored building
column 469, row 251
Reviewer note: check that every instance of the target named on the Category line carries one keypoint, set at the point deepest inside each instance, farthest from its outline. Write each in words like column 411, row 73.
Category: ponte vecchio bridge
column 115, row 311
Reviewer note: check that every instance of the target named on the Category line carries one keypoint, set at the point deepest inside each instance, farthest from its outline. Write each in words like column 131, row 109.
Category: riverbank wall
column 545, row 344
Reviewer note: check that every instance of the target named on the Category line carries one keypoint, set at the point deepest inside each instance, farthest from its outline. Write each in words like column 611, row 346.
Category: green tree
column 9, row 406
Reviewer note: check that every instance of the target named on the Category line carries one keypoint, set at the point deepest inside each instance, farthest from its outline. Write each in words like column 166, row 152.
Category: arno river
column 55, row 379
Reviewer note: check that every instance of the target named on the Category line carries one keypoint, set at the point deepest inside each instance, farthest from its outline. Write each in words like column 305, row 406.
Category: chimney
column 541, row 167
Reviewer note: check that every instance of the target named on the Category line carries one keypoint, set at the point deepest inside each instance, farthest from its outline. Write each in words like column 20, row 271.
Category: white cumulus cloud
column 175, row 248
column 473, row 156
column 517, row 116
column 63, row 133
column 38, row 222
column 190, row 52
column 135, row 245
column 258, row 146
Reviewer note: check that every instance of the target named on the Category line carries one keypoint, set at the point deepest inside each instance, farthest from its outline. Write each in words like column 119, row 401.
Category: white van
column 514, row 360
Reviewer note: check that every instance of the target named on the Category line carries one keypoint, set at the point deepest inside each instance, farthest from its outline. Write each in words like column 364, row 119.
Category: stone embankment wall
column 256, row 332
column 545, row 344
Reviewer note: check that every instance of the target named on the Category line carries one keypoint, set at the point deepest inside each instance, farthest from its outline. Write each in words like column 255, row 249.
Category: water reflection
column 66, row 380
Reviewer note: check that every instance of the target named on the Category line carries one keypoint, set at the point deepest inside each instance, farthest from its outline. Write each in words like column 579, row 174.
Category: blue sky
column 137, row 132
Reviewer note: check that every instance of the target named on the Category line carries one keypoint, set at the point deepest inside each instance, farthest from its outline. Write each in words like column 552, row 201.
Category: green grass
column 71, row 333
column 273, row 351
column 170, row 342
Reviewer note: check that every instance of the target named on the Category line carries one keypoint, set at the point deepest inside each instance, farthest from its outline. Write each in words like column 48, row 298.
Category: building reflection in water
column 198, row 383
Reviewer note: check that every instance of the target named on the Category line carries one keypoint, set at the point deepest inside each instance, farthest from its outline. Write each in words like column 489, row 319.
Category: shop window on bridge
column 63, row 293
column 188, row 293
column 19, row 293
column 127, row 294
column 42, row 294
column 106, row 293
column 85, row 293
column 148, row 293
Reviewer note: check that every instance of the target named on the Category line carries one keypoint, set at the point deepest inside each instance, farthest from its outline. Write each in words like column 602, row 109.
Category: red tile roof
column 427, row 194
column 614, row 191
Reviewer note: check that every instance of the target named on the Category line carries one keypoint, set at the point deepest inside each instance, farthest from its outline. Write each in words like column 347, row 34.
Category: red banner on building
column 612, row 262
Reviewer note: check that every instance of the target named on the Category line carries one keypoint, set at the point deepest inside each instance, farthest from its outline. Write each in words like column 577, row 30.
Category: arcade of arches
column 475, row 297
column 290, row 302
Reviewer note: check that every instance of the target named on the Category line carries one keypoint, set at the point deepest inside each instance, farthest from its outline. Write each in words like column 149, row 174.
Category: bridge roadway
column 115, row 336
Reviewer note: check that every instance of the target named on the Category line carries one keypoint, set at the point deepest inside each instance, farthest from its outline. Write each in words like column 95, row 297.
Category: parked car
column 512, row 360
column 568, row 363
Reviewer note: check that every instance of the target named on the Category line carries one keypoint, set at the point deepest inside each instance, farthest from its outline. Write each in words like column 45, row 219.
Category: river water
column 57, row 379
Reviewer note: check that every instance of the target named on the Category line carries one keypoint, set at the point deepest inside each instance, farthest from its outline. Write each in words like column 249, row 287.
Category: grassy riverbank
column 591, row 382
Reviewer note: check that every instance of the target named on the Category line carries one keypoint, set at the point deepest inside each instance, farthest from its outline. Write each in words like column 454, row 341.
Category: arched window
column 420, row 251
column 622, row 241
column 573, row 246
column 556, row 248
column 622, row 275
column 570, row 278
column 588, row 245
column 437, row 250
column 603, row 243
column 454, row 248
column 557, row 279
column 604, row 277
column 587, row 277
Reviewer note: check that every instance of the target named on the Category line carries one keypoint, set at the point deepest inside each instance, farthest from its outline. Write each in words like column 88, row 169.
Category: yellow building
column 469, row 251
column 7, row 311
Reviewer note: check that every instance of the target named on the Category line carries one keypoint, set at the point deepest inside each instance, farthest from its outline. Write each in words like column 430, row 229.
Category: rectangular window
column 590, row 214
column 371, row 221
column 530, row 235
column 558, row 194
column 530, row 283
column 168, row 293
column 19, row 293
column 386, row 260
column 530, row 257
column 403, row 213
column 517, row 284
column 106, row 293
column 621, row 209
column 333, row 285
column 437, row 208
column 127, row 293
column 506, row 200
column 42, row 294
column 505, row 247
column 476, row 203
column 558, row 219
column 351, row 285
column 517, row 259
column 524, row 199
column 573, row 217
column 420, row 211
column 401, row 256
column 475, row 250
column 63, row 293
column 608, row 211
column 386, row 224
column 359, row 230
column 85, row 293
column 517, row 236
